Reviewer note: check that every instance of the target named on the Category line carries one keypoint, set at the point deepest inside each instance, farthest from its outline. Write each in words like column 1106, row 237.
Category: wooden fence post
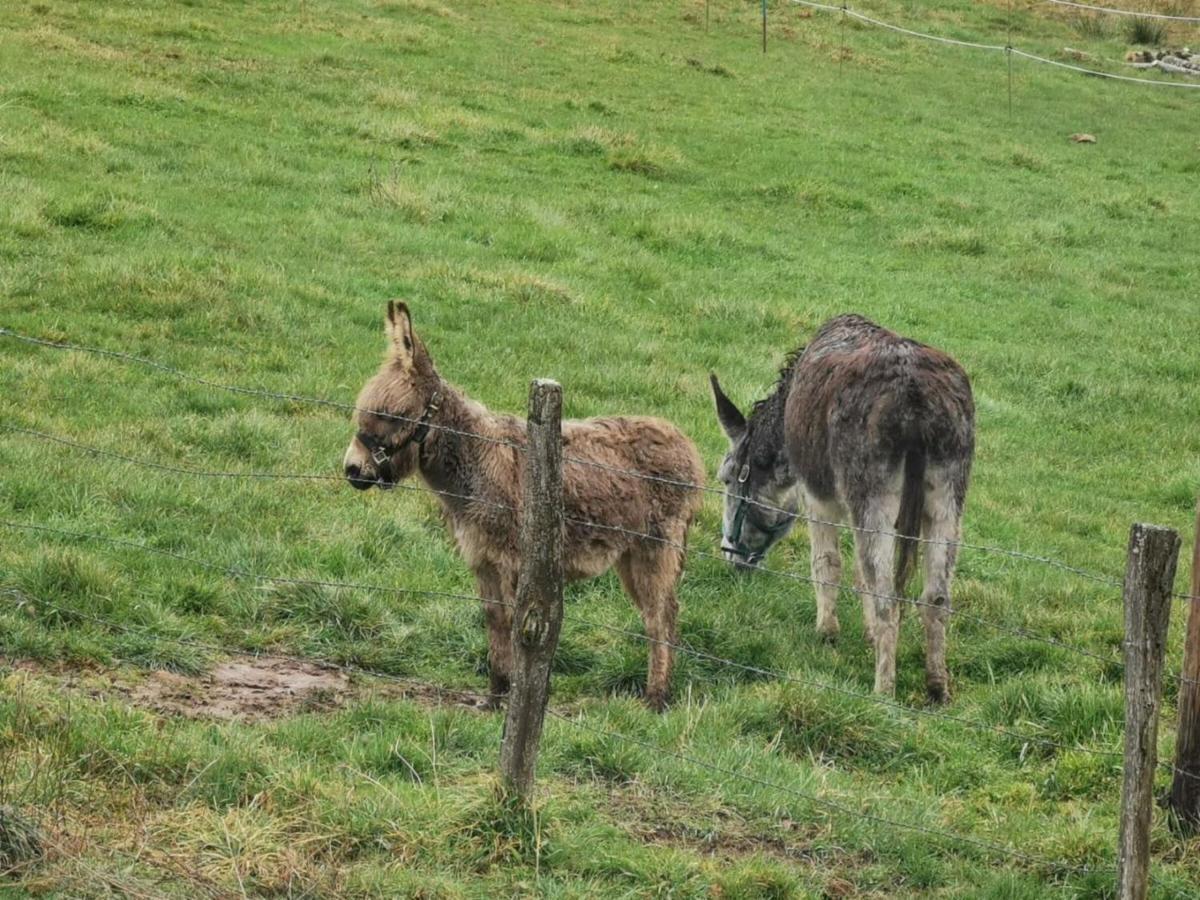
column 764, row 7
column 538, row 616
column 1184, row 801
column 1149, row 576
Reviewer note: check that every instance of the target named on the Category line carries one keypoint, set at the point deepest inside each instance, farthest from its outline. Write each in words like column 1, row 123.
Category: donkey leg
column 868, row 602
column 497, row 612
column 875, row 548
column 826, row 574
column 941, row 527
column 649, row 575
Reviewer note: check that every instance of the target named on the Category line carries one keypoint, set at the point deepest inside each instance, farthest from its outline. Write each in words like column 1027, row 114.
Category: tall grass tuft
column 1094, row 27
column 1146, row 31
column 20, row 840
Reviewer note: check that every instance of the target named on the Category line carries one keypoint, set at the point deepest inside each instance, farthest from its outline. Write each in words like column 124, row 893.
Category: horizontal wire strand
column 983, row 548
column 683, row 648
column 829, row 804
column 458, row 695
column 1114, row 11
column 990, row 47
column 585, row 523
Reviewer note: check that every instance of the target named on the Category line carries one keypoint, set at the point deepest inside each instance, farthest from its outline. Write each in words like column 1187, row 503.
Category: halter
column 773, row 532
column 382, row 451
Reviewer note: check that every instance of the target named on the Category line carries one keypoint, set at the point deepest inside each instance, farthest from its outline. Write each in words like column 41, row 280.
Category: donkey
column 872, row 430
column 410, row 420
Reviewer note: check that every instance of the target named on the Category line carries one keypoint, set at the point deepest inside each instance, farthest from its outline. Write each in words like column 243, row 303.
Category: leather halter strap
column 382, row 450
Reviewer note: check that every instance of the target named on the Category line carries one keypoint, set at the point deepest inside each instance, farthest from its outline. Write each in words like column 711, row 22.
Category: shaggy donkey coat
column 876, row 431
column 409, row 420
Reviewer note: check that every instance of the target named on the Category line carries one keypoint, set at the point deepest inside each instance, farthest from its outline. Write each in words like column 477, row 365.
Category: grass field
column 609, row 194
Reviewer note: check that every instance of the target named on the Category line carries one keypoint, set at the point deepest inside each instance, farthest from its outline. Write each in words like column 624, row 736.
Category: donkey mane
column 781, row 380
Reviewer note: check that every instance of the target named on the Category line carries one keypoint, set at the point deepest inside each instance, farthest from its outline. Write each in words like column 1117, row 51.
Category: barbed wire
column 245, row 391
column 828, row 804
column 576, row 619
column 1016, row 631
column 682, row 648
column 972, row 45
column 720, row 492
column 251, row 476
column 832, row 805
column 457, row 695
column 1114, row 11
column 235, row 572
column 640, row 535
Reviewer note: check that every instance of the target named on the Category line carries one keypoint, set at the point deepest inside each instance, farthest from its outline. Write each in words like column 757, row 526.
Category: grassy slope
column 559, row 189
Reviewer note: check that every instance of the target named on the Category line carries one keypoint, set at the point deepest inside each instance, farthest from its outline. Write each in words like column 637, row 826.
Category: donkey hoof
column 938, row 692
column 497, row 691
column 828, row 635
column 656, row 701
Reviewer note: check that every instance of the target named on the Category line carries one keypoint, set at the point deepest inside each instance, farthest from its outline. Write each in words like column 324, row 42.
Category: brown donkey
column 876, row 431
column 409, row 420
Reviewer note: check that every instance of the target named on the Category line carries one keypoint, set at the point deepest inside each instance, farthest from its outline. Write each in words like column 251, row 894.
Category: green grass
column 604, row 193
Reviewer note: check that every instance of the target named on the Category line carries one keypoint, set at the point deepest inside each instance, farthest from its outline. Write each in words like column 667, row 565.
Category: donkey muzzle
column 354, row 475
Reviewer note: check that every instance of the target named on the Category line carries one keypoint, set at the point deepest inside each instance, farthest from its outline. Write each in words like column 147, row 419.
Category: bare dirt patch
column 246, row 689
column 255, row 689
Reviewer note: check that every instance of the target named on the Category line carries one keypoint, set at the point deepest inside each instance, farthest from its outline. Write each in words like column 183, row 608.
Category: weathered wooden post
column 764, row 7
column 1184, row 800
column 538, row 616
column 1149, row 576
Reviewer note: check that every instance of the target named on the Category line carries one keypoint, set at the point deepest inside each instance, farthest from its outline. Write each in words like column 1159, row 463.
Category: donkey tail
column 908, row 522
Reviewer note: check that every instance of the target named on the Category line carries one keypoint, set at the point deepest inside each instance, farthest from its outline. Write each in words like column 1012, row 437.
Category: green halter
column 773, row 532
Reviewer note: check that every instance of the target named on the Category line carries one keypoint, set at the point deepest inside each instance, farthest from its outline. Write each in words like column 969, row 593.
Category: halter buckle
column 379, row 454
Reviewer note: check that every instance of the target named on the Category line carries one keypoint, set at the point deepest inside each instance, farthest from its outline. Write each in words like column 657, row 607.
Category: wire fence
column 847, row 12
column 1027, row 740
column 579, row 723
column 520, row 447
column 1133, row 13
column 685, row 649
column 1014, row 631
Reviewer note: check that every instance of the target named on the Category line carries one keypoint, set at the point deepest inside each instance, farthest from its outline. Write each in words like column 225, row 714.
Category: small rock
column 1084, row 138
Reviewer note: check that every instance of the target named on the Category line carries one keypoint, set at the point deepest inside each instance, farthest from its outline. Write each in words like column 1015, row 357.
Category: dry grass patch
column 518, row 287
column 623, row 151
column 419, row 6
column 422, row 205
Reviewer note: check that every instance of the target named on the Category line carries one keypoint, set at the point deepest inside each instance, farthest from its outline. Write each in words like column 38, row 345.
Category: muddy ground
column 245, row 689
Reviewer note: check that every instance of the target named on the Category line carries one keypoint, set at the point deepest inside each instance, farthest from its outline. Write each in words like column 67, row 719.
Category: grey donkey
column 871, row 430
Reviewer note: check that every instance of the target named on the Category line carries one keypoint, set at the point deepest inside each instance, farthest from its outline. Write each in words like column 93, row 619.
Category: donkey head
column 761, row 496
column 393, row 409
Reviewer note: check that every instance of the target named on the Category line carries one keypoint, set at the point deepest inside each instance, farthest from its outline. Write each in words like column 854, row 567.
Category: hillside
column 624, row 198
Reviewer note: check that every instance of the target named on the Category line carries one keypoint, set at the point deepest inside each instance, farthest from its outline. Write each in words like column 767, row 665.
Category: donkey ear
column 399, row 330
column 729, row 415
